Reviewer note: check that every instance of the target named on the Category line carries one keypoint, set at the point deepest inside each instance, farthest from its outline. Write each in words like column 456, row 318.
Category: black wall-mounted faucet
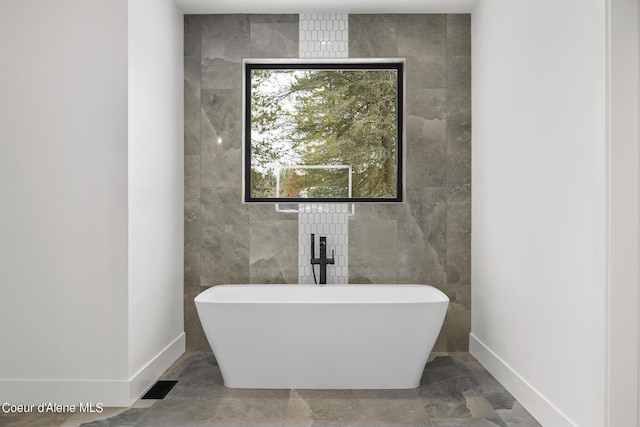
column 323, row 260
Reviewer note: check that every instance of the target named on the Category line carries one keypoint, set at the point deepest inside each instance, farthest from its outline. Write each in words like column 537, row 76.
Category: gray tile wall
column 426, row 240
column 227, row 241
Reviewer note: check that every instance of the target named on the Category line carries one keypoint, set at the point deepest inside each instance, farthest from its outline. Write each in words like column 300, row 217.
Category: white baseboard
column 149, row 374
column 534, row 402
column 116, row 393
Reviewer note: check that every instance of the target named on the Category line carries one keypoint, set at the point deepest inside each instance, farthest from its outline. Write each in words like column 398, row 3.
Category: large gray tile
column 459, row 89
column 227, row 243
column 192, row 197
column 376, row 211
column 458, row 153
column 192, row 103
column 429, row 104
column 387, row 394
column 248, row 422
column 445, row 369
column 459, row 249
column 303, row 422
column 517, row 416
column 257, row 394
column 488, row 386
column 373, row 243
column 426, row 138
column 409, row 411
column 225, row 254
column 192, row 412
column 422, row 237
column 220, row 73
column 433, row 134
column 458, row 321
column 275, row 18
column 196, row 338
column 198, row 376
column 225, row 41
column 192, row 220
column 417, row 130
column 192, row 325
column 274, row 36
column 33, row 419
column 222, row 205
column 316, row 405
column 275, row 275
column 376, row 423
column 373, row 274
column 192, row 36
column 260, row 212
column 192, row 171
column 251, row 407
column 481, row 409
column 274, row 244
column 459, row 34
column 422, row 40
column 199, row 364
column 462, row 422
column 221, row 143
column 128, row 418
column 445, row 400
column 458, row 286
column 370, row 37
column 186, row 360
column 225, row 37
column 191, row 270
column 314, row 394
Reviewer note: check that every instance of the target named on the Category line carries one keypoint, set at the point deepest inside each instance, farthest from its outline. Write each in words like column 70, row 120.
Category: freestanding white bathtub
column 322, row 337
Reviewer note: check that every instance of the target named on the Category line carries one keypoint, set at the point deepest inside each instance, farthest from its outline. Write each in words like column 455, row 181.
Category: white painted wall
column 624, row 190
column 555, row 206
column 63, row 187
column 539, row 205
column 91, row 225
column 156, row 174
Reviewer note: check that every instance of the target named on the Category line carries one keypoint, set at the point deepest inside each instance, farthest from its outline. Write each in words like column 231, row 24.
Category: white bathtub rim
column 433, row 294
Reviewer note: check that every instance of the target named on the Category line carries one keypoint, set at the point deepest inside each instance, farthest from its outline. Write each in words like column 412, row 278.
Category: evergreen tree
column 336, row 117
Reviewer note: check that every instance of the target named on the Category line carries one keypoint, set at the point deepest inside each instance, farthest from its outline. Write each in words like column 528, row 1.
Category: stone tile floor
column 455, row 391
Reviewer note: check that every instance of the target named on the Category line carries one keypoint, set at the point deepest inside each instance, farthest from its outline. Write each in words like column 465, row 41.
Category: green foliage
column 320, row 117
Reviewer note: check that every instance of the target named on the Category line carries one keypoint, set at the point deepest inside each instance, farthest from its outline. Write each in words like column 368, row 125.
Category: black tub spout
column 323, row 260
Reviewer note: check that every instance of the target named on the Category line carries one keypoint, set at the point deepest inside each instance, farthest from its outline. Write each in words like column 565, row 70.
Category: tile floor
column 455, row 391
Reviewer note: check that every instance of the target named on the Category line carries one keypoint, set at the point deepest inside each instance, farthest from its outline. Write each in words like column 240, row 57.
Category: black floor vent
column 159, row 390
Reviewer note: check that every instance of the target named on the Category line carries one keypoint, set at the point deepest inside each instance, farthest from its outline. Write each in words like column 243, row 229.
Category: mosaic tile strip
column 330, row 220
column 324, row 35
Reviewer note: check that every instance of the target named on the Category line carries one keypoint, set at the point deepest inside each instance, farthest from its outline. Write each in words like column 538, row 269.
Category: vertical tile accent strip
column 330, row 220
column 324, row 35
